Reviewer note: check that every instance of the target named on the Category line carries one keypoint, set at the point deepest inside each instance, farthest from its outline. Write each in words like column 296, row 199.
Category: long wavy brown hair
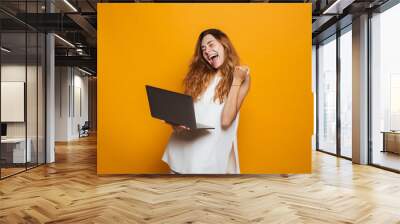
column 201, row 72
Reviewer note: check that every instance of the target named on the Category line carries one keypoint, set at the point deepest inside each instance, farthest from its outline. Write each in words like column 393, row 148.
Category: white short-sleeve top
column 204, row 151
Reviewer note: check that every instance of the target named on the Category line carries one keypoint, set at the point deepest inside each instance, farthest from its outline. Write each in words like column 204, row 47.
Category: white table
column 18, row 145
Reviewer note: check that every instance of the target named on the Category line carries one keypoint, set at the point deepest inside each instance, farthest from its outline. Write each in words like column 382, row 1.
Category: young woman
column 218, row 85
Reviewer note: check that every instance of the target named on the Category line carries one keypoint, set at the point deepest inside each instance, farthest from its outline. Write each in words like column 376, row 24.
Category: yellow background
column 152, row 43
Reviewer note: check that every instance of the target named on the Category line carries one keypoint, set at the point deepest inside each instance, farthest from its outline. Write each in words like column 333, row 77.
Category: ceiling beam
column 84, row 24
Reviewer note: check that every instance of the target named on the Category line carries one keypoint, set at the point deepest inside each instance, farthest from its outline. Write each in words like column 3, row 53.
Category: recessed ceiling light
column 70, row 5
column 84, row 71
column 64, row 40
column 338, row 6
column 5, row 50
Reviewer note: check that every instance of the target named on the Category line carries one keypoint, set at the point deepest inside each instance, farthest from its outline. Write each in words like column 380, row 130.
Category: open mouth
column 213, row 59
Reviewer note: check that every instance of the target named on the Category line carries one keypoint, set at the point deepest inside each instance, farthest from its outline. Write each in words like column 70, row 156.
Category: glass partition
column 14, row 154
column 22, row 90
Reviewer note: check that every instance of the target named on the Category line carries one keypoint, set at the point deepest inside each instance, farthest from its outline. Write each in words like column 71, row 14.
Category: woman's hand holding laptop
column 178, row 128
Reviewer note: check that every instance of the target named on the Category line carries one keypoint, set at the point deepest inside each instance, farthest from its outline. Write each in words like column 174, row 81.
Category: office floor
column 5, row 172
column 387, row 159
column 10, row 171
column 69, row 191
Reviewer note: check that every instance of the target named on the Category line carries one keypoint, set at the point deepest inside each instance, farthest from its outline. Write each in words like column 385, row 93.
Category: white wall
column 62, row 82
column 80, row 84
column 13, row 101
column 71, row 87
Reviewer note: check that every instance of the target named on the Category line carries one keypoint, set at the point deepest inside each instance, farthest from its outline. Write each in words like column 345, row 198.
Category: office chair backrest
column 86, row 125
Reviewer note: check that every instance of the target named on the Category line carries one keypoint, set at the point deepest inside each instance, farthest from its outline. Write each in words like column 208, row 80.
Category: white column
column 50, row 100
column 360, row 90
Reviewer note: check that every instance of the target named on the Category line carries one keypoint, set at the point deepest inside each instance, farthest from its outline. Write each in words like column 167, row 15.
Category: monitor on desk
column 3, row 130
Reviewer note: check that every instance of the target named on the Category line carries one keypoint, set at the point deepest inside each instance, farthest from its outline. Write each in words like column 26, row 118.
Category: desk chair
column 84, row 130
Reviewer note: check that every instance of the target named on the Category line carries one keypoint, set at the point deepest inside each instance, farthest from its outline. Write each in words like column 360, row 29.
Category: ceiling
column 76, row 22
column 72, row 20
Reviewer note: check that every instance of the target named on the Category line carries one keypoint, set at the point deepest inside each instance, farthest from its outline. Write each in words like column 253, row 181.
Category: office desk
column 391, row 141
column 13, row 150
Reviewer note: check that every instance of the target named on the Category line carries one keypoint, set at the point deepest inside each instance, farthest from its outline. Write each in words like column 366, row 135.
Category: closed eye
column 211, row 44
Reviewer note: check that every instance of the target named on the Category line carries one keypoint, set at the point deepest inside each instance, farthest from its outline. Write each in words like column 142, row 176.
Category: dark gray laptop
column 172, row 107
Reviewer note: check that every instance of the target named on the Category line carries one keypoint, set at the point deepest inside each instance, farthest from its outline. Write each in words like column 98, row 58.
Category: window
column 385, row 88
column 327, row 95
column 346, row 93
